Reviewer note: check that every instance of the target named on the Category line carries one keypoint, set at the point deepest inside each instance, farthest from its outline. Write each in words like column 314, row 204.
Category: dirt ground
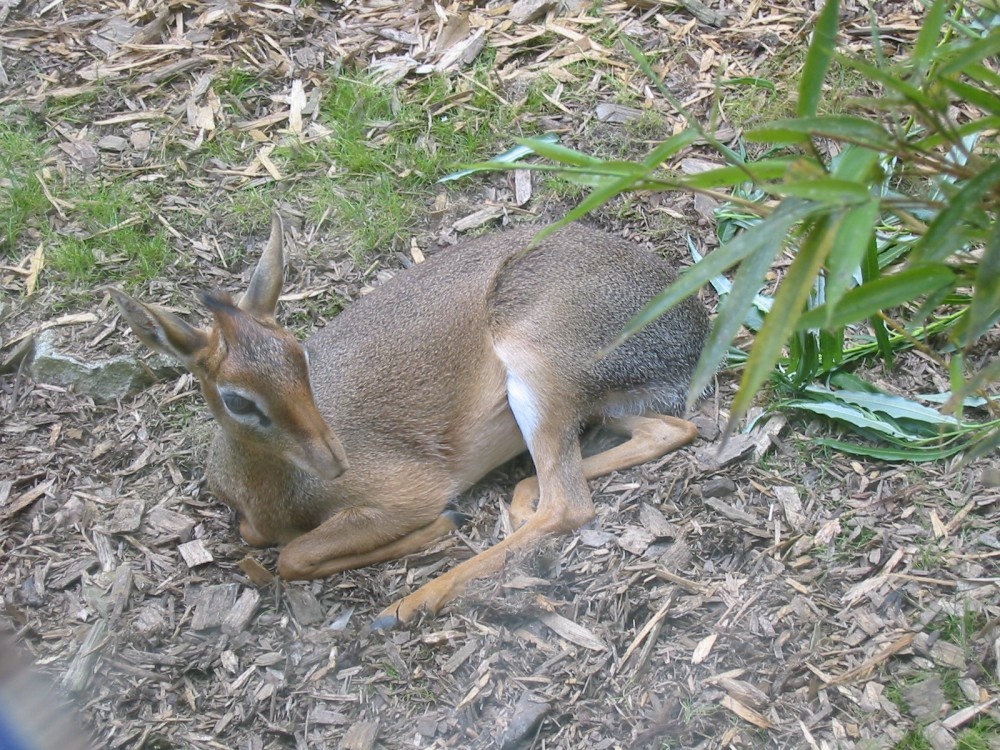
column 782, row 597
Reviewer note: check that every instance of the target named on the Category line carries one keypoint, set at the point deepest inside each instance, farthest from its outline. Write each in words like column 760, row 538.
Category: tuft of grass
column 388, row 145
column 113, row 239
column 21, row 195
column 238, row 82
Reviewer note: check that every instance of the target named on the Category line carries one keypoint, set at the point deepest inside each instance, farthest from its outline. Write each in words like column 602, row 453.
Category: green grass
column 389, row 146
column 237, row 82
column 113, row 237
column 21, row 195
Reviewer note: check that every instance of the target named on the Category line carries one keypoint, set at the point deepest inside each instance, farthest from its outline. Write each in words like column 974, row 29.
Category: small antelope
column 349, row 449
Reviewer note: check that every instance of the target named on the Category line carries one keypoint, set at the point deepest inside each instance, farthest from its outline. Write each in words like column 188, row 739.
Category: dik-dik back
column 351, row 449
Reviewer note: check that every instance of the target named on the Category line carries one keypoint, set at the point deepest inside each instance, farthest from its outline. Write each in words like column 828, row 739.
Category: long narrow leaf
column 870, row 272
column 888, row 78
column 871, row 298
column 735, row 306
column 987, row 445
column 938, row 242
column 985, row 100
column 559, row 154
column 824, row 189
column 780, row 323
column 507, row 157
column 669, row 147
column 930, row 31
column 914, row 455
column 856, row 231
column 988, row 374
column 985, row 305
column 844, row 127
column 818, row 59
column 896, row 407
column 981, row 49
column 761, row 171
column 778, row 223
column 597, row 197
column 850, row 415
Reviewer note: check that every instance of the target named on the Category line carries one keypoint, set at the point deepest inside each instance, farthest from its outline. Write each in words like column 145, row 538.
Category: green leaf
column 557, row 153
column 781, row 220
column 940, row 239
column 984, row 447
column 818, row 59
column 891, row 454
column 985, row 100
column 761, row 171
column 780, row 322
column 930, row 32
column 984, row 75
column 840, row 127
column 870, row 272
column 597, row 197
column 507, row 157
column 669, row 147
column 980, row 49
column 850, row 415
column 822, row 189
column 735, row 306
column 874, row 296
column 986, row 293
column 855, row 234
column 896, row 407
column 888, row 78
column 981, row 379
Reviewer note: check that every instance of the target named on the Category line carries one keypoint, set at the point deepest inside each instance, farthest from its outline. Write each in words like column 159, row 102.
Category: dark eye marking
column 241, row 406
column 237, row 404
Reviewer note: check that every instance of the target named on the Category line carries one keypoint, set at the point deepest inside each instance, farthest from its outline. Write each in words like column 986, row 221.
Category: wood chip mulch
column 765, row 595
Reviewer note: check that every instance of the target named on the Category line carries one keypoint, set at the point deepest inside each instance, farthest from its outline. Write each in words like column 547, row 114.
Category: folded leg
column 358, row 537
column 649, row 438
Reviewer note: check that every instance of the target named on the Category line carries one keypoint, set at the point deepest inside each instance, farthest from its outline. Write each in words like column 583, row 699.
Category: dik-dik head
column 254, row 373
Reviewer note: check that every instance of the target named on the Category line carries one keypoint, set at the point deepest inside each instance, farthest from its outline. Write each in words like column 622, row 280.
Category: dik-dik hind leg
column 356, row 538
column 650, row 437
column 564, row 505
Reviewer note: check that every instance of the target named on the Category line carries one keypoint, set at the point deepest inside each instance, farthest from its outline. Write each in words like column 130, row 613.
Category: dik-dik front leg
column 357, row 537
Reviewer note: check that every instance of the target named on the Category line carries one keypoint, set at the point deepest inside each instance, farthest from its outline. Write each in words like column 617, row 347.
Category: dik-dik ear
column 261, row 297
column 160, row 330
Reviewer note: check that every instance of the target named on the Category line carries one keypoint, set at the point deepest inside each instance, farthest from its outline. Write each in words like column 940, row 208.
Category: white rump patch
column 525, row 407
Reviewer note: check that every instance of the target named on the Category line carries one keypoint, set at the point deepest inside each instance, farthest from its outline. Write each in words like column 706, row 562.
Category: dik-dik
column 349, row 449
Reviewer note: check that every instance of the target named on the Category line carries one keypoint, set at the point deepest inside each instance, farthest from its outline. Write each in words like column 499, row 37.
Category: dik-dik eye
column 243, row 409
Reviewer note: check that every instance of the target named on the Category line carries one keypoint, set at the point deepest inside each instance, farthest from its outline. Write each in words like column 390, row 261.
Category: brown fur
column 407, row 397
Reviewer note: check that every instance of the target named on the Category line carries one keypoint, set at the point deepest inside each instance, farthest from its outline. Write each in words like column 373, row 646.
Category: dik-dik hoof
column 385, row 622
column 456, row 517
